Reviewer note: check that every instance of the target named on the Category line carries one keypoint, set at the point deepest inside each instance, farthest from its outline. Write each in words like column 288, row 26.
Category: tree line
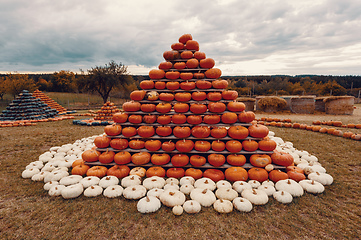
column 114, row 79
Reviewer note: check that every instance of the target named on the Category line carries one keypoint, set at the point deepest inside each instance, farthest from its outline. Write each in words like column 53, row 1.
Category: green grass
column 28, row 212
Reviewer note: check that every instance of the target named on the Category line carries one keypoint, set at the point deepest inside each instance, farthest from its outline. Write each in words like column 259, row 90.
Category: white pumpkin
column 153, row 182
column 90, row 181
column 172, row 197
column 30, row 172
column 312, row 186
column 148, row 204
column 93, row 191
column 204, row 196
column 70, row 180
column 223, row 206
column 108, row 181
column 113, row 191
column 323, row 178
column 192, row 206
column 226, row 193
column 283, row 196
column 242, row 204
column 239, row 186
column 223, row 184
column 72, row 191
column 186, row 188
column 171, row 185
column 172, row 180
column 155, row 192
column 187, row 180
column 177, row 210
column 205, row 183
column 291, row 186
column 267, row 189
column 56, row 190
column 39, row 177
column 131, row 180
column 49, row 184
column 255, row 196
column 254, row 183
column 134, row 192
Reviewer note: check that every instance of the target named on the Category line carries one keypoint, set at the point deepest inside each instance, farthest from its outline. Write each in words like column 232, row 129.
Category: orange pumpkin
column 80, row 169
column 197, row 160
column 140, row 158
column 119, row 171
column 175, row 172
column 97, row 171
column 122, row 158
column 195, row 173
column 236, row 159
column 155, row 171
column 276, row 175
column 234, row 174
column 214, row 174
column 258, row 174
column 260, row 160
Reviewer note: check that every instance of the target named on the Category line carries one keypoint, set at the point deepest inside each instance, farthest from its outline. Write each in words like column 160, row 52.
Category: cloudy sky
column 258, row 37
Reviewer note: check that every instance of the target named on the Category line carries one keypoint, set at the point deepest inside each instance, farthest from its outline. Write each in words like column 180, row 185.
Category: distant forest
column 319, row 85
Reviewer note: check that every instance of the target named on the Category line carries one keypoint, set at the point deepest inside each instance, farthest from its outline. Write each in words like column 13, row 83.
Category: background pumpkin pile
column 50, row 102
column 27, row 107
column 104, row 116
column 183, row 125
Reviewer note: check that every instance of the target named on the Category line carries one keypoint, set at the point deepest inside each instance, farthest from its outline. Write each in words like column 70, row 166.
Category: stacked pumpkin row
column 319, row 128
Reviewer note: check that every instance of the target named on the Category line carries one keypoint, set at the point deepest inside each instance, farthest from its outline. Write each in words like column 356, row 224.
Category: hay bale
column 272, row 104
column 288, row 100
column 320, row 104
column 258, row 98
column 303, row 104
column 249, row 102
column 339, row 105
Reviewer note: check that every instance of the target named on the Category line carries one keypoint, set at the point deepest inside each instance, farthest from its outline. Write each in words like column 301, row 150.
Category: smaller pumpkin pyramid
column 104, row 116
column 50, row 102
column 106, row 111
column 27, row 107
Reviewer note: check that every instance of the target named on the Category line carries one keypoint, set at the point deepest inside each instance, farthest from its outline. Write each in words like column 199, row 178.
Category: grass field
column 28, row 212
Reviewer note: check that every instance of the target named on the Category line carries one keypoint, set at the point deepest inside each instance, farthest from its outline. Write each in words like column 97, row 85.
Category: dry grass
column 28, row 212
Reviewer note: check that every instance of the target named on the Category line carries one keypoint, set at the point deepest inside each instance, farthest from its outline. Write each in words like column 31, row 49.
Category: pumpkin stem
column 147, row 199
column 254, row 192
column 204, row 191
column 312, row 182
column 288, row 182
column 318, row 173
column 282, row 193
column 171, row 193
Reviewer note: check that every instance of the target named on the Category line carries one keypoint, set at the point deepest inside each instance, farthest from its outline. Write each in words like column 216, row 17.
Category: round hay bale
column 249, row 102
column 272, row 104
column 304, row 104
column 339, row 105
column 320, row 104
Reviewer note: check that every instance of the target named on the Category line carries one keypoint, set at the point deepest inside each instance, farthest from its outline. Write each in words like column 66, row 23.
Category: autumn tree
column 42, row 84
column 63, row 81
column 333, row 88
column 104, row 79
column 2, row 88
column 16, row 83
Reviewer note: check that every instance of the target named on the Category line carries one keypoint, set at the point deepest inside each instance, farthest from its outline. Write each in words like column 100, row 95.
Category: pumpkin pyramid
column 50, row 102
column 27, row 107
column 106, row 111
column 184, row 121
